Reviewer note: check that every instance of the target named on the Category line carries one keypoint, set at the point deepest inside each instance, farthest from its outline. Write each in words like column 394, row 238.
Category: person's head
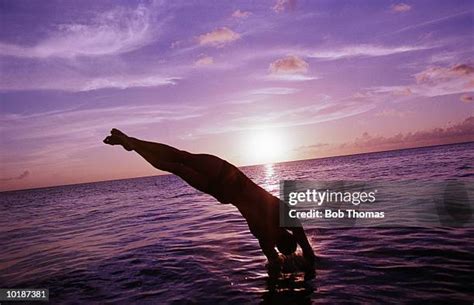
column 286, row 242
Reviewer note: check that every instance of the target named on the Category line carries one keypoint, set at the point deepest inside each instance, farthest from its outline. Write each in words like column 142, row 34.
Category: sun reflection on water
column 270, row 182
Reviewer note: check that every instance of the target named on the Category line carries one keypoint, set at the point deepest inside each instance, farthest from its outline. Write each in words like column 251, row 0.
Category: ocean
column 155, row 240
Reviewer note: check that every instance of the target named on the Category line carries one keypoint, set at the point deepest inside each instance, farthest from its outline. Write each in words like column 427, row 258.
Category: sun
column 265, row 146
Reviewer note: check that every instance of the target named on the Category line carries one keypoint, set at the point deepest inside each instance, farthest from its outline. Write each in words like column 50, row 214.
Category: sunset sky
column 250, row 81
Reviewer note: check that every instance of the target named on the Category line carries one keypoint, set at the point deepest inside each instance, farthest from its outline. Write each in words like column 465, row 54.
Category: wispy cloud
column 284, row 5
column 241, row 14
column 218, row 37
column 36, row 140
column 364, row 50
column 127, row 82
column 431, row 22
column 75, row 122
column 259, row 95
column 392, row 91
column 204, row 61
column 79, row 83
column 117, row 31
column 273, row 91
column 320, row 111
column 291, row 77
column 400, row 7
column 19, row 177
column 438, row 81
column 431, row 82
column 436, row 74
column 392, row 113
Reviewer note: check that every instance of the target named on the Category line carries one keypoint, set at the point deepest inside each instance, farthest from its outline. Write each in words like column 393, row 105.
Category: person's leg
column 195, row 169
column 204, row 164
column 302, row 240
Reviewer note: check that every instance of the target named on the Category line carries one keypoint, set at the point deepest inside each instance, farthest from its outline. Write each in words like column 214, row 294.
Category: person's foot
column 118, row 133
column 118, row 138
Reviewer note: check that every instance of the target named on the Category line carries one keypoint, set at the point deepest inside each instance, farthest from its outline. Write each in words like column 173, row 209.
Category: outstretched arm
column 269, row 251
column 302, row 240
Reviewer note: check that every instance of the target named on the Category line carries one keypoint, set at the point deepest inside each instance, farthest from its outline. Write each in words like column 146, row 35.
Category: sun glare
column 265, row 146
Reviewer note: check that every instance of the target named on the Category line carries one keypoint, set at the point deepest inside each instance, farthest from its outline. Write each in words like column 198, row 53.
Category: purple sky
column 250, row 81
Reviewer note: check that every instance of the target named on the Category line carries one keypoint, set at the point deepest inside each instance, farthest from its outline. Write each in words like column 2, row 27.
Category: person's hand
column 274, row 265
column 277, row 261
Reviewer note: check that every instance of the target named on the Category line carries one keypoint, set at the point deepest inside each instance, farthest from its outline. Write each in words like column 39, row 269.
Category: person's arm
column 302, row 240
column 270, row 252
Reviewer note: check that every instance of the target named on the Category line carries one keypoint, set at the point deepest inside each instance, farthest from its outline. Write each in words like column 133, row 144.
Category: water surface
column 155, row 240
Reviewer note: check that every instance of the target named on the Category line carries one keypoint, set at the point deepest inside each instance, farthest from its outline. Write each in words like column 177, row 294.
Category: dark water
column 157, row 241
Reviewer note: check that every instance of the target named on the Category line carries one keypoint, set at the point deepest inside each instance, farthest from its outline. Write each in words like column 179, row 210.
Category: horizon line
column 244, row 166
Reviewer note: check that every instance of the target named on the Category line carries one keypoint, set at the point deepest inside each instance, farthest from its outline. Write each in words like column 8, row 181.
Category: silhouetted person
column 227, row 184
